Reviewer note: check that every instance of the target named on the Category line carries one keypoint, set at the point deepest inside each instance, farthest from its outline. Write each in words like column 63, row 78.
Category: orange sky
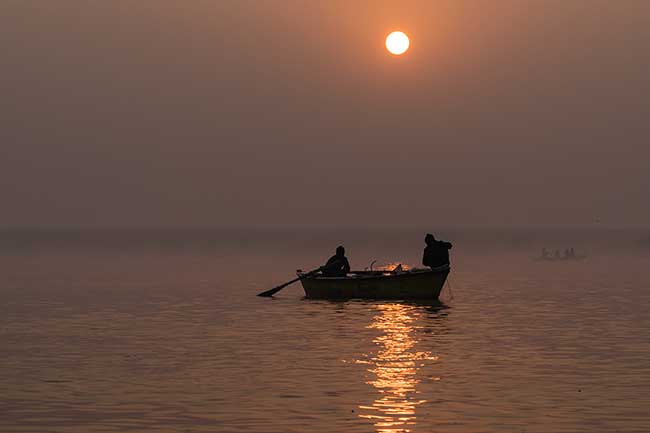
column 291, row 112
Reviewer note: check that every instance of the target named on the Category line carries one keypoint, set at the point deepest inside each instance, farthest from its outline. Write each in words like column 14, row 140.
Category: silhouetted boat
column 412, row 284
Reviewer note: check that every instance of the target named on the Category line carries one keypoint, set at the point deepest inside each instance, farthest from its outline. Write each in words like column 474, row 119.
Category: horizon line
column 323, row 227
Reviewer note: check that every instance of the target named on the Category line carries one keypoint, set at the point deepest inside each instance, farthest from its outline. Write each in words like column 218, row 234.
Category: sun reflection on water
column 395, row 368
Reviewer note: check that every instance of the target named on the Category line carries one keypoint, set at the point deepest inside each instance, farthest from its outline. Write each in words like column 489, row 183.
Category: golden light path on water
column 395, row 367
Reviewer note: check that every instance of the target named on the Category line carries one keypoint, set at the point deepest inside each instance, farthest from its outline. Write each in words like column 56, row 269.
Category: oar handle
column 282, row 286
column 275, row 290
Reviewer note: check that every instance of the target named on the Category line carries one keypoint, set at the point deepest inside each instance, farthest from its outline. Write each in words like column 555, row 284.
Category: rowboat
column 411, row 284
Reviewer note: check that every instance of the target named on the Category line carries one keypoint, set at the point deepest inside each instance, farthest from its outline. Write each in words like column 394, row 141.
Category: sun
column 397, row 43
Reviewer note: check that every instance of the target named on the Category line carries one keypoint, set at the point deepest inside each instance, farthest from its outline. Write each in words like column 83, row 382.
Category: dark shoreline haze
column 590, row 240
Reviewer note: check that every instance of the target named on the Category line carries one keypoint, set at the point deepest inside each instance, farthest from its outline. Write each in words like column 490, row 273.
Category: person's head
column 340, row 251
column 429, row 239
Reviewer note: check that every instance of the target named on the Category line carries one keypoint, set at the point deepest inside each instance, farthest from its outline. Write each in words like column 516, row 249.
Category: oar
column 275, row 290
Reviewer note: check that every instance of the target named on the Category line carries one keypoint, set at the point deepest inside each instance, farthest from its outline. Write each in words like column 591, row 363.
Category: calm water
column 107, row 332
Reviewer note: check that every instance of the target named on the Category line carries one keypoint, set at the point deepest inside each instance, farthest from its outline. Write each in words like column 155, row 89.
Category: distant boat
column 412, row 284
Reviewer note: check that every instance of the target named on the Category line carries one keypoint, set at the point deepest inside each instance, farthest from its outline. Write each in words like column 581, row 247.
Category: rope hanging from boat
column 448, row 282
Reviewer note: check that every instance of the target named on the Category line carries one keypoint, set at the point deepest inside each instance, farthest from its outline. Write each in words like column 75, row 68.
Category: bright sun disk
column 397, row 43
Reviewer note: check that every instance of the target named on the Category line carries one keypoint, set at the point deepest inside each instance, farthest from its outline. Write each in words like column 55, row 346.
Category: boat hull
column 417, row 284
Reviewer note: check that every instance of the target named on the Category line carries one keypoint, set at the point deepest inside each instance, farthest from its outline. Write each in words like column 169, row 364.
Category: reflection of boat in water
column 576, row 258
column 395, row 367
column 411, row 284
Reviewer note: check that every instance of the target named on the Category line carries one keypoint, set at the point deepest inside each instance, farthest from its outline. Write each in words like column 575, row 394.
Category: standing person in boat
column 337, row 265
column 436, row 253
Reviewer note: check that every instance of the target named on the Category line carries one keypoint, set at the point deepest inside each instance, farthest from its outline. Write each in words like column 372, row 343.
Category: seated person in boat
column 436, row 253
column 337, row 265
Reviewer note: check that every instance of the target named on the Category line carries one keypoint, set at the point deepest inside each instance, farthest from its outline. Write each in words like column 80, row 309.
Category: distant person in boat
column 572, row 252
column 337, row 265
column 557, row 255
column 436, row 253
column 567, row 253
column 545, row 254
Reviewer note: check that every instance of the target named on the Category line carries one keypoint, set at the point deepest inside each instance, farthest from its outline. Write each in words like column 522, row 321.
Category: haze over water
column 159, row 330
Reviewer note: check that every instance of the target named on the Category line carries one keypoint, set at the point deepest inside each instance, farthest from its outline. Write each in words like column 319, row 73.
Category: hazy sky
column 278, row 112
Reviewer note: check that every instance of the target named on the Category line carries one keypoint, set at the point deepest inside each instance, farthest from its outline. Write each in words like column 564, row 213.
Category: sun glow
column 397, row 43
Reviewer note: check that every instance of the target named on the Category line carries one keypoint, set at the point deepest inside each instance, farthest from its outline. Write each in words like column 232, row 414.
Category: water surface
column 109, row 333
